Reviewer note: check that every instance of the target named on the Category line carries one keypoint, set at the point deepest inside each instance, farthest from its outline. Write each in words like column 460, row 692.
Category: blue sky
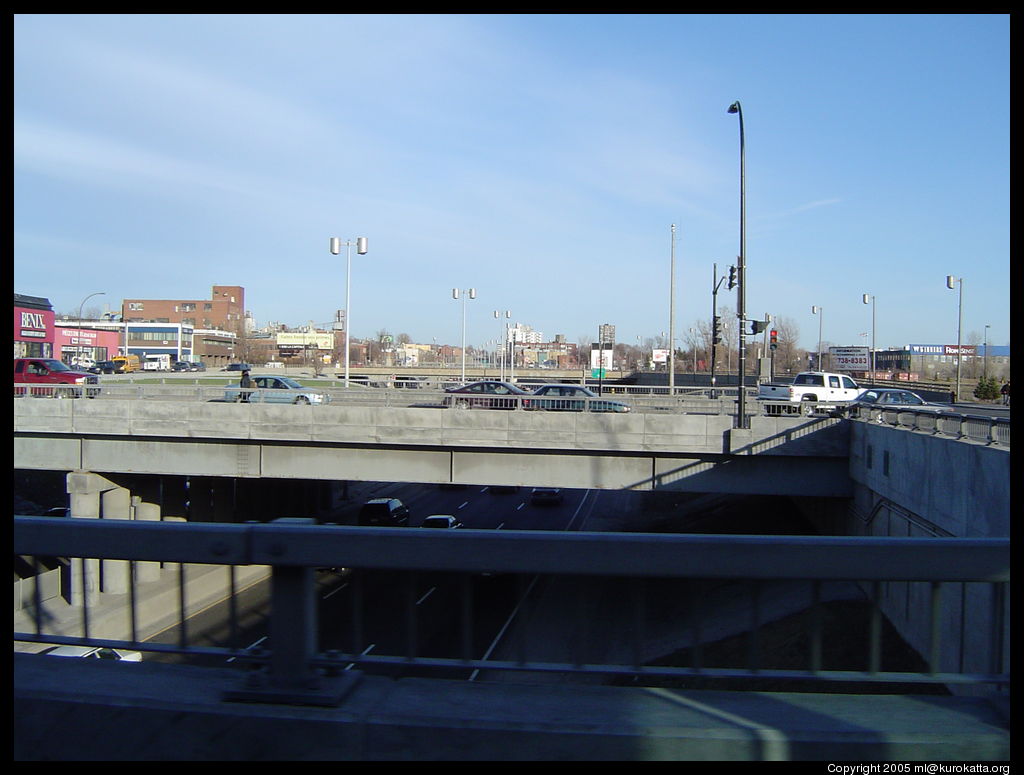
column 540, row 159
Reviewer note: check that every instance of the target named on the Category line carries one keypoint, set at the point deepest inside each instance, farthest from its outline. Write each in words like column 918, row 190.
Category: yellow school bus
column 126, row 363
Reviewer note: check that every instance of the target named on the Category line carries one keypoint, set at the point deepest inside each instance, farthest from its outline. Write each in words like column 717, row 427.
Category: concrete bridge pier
column 84, row 498
column 92, row 496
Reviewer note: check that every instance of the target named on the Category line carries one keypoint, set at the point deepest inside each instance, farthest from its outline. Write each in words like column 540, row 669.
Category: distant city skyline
column 540, row 159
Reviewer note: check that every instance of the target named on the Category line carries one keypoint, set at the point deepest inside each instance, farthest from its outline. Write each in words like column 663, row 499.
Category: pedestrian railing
column 614, row 590
column 965, row 427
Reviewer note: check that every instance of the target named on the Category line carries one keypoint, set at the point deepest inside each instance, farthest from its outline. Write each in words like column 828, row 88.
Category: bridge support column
column 116, row 503
column 84, row 491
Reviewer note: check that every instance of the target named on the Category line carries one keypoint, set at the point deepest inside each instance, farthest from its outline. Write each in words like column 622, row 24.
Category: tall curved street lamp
column 741, row 273
column 81, row 306
column 951, row 281
column 469, row 293
column 336, row 244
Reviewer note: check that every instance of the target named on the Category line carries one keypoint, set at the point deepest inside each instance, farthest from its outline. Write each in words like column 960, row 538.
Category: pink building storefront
column 33, row 327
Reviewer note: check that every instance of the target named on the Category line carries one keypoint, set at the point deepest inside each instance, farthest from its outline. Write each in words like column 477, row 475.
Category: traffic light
column 757, row 326
column 732, row 277
column 716, row 330
column 773, row 338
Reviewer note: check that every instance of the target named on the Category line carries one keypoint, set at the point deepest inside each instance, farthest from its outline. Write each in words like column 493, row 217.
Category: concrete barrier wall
column 908, row 483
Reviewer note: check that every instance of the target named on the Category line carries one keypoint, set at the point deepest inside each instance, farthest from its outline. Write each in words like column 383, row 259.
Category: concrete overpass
column 891, row 483
column 790, row 455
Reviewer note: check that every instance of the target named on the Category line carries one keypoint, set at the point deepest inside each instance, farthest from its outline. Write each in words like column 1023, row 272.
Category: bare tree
column 789, row 356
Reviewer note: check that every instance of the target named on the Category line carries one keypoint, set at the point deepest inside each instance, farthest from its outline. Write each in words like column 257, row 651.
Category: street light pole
column 80, row 308
column 336, row 244
column 868, row 298
column 471, row 293
column 984, row 367
column 671, row 319
column 815, row 310
column 503, row 340
column 950, row 281
column 741, row 273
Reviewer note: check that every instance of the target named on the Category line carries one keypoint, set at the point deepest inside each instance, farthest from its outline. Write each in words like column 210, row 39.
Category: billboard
column 314, row 340
column 660, row 356
column 850, row 358
column 601, row 358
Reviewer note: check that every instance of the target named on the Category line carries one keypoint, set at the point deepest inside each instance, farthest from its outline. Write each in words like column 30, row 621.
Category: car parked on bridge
column 487, row 394
column 574, row 398
column 889, row 398
column 93, row 652
column 384, row 512
column 443, row 521
column 276, row 390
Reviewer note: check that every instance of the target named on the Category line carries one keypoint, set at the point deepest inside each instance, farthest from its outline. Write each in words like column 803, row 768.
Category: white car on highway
column 93, row 652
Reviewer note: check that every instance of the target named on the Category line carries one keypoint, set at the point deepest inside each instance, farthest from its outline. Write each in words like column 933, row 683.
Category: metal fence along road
column 965, row 582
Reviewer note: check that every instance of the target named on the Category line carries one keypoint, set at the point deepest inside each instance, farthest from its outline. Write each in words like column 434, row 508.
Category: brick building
column 224, row 310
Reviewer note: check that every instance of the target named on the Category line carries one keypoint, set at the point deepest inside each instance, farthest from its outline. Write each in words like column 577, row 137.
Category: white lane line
column 520, row 506
column 250, row 646
column 363, row 654
column 335, row 591
column 463, row 506
column 428, row 593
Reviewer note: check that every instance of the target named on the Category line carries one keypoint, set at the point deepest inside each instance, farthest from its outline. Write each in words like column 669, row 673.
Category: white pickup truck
column 816, row 388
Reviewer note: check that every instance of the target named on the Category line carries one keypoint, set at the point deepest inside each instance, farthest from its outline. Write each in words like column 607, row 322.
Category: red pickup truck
column 30, row 372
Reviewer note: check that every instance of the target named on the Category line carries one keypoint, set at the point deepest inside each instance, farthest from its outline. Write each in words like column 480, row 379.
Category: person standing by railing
column 244, row 383
column 1005, row 391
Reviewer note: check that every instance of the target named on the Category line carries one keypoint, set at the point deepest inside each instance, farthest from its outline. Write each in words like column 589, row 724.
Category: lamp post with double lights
column 741, row 293
column 819, row 311
column 984, row 367
column 336, row 244
column 469, row 293
column 504, row 338
column 951, row 282
column 78, row 348
column 868, row 298
column 671, row 318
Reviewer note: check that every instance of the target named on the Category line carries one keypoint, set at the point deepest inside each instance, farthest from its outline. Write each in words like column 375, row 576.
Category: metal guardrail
column 293, row 548
column 965, row 427
column 990, row 430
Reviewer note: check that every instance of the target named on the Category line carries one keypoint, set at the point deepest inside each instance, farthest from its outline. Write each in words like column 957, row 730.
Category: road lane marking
column 429, row 592
column 335, row 591
column 251, row 645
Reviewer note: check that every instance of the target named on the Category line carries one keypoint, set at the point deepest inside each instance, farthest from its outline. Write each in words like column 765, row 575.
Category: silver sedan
column 276, row 390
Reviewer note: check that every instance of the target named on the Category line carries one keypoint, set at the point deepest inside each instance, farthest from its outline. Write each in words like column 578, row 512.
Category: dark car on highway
column 890, row 398
column 574, row 398
column 105, row 367
column 384, row 512
column 487, row 394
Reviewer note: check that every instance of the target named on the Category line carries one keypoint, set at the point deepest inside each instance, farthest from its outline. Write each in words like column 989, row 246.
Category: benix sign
column 850, row 358
column 32, row 325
